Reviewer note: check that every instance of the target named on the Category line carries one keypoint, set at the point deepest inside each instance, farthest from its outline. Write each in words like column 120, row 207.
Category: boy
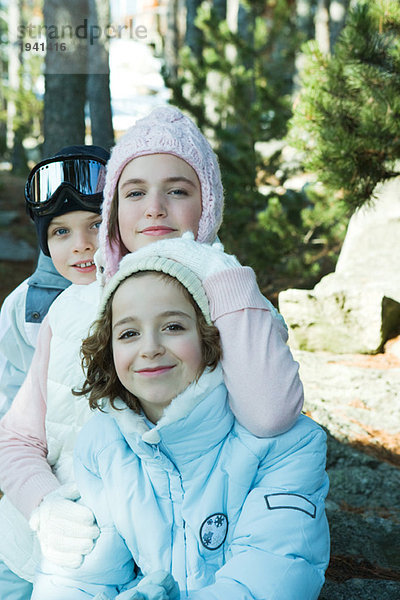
column 63, row 197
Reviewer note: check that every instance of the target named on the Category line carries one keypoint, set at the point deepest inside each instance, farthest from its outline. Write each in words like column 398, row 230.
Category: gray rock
column 358, row 406
column 364, row 289
column 361, row 589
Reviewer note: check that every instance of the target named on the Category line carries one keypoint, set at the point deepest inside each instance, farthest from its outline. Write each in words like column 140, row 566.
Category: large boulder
column 356, row 308
column 357, row 400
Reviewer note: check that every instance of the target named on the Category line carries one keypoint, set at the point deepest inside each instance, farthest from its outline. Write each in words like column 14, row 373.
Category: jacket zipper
column 165, row 452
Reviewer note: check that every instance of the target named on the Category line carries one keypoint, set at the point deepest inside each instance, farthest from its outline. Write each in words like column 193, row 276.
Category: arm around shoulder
column 265, row 390
column 25, row 475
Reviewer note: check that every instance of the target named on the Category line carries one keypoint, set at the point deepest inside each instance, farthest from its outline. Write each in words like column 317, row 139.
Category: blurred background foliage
column 300, row 100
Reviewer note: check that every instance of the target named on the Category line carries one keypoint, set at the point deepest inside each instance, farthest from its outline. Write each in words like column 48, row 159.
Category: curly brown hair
column 97, row 356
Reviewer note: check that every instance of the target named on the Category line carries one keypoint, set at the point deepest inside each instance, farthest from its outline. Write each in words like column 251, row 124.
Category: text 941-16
column 43, row 47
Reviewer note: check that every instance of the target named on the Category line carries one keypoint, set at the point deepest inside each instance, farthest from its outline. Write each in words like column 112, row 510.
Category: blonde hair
column 102, row 381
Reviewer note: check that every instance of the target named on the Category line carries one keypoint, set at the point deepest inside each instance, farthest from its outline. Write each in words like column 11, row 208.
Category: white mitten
column 159, row 585
column 203, row 259
column 149, row 592
column 66, row 530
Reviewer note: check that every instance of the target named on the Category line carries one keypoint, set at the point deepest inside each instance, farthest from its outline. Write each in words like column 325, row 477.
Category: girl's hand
column 156, row 586
column 203, row 259
column 66, row 530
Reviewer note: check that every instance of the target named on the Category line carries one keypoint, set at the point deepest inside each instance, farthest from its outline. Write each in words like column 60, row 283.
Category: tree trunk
column 3, row 109
column 238, row 126
column 337, row 14
column 306, row 27
column 322, row 26
column 304, row 18
column 220, row 9
column 65, row 74
column 171, row 43
column 246, row 26
column 64, row 114
column 13, row 68
column 98, row 82
column 17, row 129
column 193, row 35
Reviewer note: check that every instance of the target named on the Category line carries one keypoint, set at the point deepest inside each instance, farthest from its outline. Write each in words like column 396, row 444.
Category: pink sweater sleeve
column 25, row 475
column 265, row 391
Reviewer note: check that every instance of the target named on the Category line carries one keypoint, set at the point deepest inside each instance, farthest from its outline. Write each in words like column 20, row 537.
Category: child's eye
column 96, row 225
column 174, row 327
column 126, row 335
column 179, row 192
column 135, row 194
column 60, row 231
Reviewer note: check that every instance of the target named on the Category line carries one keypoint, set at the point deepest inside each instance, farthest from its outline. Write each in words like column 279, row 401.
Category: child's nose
column 156, row 205
column 83, row 242
column 151, row 346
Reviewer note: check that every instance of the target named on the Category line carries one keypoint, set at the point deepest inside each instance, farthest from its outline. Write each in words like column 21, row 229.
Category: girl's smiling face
column 159, row 196
column 155, row 340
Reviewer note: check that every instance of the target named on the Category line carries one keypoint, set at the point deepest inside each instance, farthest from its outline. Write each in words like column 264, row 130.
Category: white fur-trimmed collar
column 130, row 422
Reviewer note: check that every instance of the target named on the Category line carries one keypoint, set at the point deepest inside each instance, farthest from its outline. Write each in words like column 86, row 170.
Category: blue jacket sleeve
column 279, row 549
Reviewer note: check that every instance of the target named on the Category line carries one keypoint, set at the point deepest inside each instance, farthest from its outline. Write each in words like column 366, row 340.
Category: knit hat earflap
column 164, row 131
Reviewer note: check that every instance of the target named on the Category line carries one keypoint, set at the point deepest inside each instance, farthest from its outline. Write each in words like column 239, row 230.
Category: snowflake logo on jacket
column 213, row 531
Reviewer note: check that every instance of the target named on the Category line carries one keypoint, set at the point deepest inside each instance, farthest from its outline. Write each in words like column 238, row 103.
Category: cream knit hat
column 156, row 261
column 164, row 131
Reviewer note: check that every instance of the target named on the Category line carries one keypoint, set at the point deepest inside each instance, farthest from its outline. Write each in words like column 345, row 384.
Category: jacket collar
column 47, row 276
column 201, row 406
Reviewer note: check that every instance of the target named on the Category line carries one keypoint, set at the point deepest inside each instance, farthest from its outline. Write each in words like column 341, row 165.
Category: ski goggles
column 83, row 177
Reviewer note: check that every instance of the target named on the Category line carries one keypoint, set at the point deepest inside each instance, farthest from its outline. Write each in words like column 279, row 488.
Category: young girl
column 175, row 483
column 63, row 197
column 162, row 180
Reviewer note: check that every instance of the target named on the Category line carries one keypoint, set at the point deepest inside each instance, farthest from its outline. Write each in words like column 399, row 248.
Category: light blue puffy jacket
column 230, row 515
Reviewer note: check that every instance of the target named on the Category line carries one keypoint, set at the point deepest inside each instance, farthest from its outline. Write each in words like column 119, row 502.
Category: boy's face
column 159, row 196
column 156, row 346
column 72, row 241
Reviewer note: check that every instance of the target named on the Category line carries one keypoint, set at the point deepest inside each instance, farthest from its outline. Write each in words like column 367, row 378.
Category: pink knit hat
column 164, row 131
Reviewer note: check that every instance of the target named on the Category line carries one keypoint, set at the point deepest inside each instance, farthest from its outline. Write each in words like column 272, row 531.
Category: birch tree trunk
column 322, row 34
column 337, row 17
column 306, row 28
